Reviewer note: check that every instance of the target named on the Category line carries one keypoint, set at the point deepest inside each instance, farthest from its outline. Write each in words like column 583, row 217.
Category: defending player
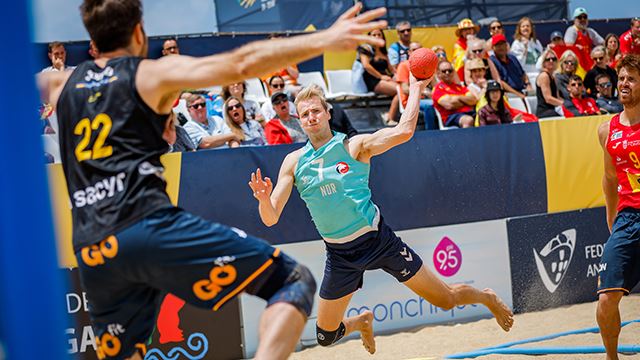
column 620, row 263
column 331, row 174
column 130, row 242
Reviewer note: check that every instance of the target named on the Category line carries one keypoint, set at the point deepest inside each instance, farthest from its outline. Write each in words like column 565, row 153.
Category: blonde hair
column 235, row 128
column 564, row 57
column 544, row 55
column 309, row 93
column 518, row 36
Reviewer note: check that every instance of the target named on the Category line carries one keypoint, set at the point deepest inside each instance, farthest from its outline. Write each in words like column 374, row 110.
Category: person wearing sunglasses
column 581, row 35
column 476, row 50
column 399, row 50
column 600, row 66
column 239, row 90
column 568, row 65
column 249, row 132
column 606, row 101
column 455, row 102
column 526, row 47
column 466, row 31
column 275, row 84
column 207, row 132
column 579, row 104
column 546, row 89
column 170, row 47
column 283, row 128
column 630, row 40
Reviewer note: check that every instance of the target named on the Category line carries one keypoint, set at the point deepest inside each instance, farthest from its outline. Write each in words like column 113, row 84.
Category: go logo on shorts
column 219, row 277
column 108, row 345
column 94, row 255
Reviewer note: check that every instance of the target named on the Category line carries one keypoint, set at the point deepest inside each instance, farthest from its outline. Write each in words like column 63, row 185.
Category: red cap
column 498, row 38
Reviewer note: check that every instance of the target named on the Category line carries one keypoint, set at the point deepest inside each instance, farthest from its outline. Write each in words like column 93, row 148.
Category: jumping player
column 620, row 263
column 130, row 242
column 331, row 174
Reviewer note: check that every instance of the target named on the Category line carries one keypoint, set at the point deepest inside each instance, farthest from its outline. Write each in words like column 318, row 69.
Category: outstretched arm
column 270, row 205
column 158, row 81
column 384, row 139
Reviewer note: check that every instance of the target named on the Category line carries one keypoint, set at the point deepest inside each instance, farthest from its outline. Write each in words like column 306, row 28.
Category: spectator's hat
column 466, row 24
column 497, row 39
column 493, row 85
column 277, row 95
column 475, row 64
column 579, row 11
column 556, row 34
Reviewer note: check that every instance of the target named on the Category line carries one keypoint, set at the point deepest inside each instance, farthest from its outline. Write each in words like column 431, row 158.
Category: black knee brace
column 326, row 338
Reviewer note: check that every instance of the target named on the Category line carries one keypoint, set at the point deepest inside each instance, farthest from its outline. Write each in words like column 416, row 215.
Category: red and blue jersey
column 623, row 145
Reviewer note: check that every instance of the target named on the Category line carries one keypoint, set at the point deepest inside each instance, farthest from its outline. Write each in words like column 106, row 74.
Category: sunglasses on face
column 551, row 59
column 279, row 100
column 404, row 31
column 496, row 27
column 233, row 107
column 447, row 71
column 477, row 51
column 576, row 84
column 570, row 62
column 605, row 85
column 171, row 48
column 277, row 86
column 198, row 106
column 582, row 17
column 598, row 58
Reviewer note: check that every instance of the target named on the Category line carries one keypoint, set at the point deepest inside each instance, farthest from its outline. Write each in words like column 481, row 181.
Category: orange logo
column 94, row 255
column 219, row 277
column 108, row 345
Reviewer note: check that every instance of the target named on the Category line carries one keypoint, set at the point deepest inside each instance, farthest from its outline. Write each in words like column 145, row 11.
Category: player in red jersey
column 620, row 263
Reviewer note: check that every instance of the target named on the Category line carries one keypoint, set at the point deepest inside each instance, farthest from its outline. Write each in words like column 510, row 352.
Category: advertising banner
column 474, row 254
column 181, row 330
column 555, row 258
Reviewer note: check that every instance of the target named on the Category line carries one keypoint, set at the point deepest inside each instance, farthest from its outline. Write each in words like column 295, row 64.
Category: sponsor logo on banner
column 553, row 260
column 447, row 257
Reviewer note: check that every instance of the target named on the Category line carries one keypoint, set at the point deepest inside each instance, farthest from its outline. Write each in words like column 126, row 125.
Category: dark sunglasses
column 404, row 31
column 582, row 17
column 171, row 48
column 598, row 58
column 279, row 100
column 570, row 62
column 198, row 106
column 447, row 71
column 551, row 59
column 277, row 86
column 233, row 107
column 605, row 85
column 441, row 55
column 497, row 27
column 576, row 84
column 479, row 51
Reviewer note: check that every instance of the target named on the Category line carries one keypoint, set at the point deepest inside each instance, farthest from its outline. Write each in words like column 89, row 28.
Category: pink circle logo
column 447, row 257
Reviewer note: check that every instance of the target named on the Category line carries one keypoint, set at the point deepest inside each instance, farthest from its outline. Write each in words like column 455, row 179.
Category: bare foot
column 502, row 313
column 366, row 331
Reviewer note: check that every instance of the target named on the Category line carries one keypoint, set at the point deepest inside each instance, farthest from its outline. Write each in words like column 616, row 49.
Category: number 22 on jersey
column 85, row 128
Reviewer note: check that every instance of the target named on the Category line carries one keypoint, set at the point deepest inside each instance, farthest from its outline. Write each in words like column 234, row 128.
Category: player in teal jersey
column 331, row 174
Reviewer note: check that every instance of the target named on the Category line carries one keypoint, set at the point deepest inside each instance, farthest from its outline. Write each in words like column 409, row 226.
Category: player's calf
column 326, row 338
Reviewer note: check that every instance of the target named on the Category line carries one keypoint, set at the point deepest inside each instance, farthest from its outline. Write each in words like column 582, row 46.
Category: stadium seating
column 339, row 82
column 256, row 91
column 314, row 77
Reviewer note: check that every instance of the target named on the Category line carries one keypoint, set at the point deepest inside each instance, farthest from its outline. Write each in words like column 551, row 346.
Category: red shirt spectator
column 630, row 40
column 454, row 102
column 578, row 104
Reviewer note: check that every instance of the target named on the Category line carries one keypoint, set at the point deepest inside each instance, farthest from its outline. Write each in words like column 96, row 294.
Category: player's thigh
column 331, row 312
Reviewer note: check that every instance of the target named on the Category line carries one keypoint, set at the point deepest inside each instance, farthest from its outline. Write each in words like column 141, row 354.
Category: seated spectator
column 378, row 74
column 613, row 49
column 476, row 50
column 546, row 87
column 599, row 57
column 556, row 43
column 568, row 67
column 248, row 131
column 579, row 104
column 275, row 84
column 606, row 101
column 454, row 102
column 440, row 52
column 513, row 78
column 284, row 128
column 495, row 112
column 175, row 135
column 495, row 27
column 204, row 132
column 399, row 50
column 239, row 90
column 58, row 56
column 170, row 47
column 630, row 40
column 526, row 47
column 426, row 104
column 582, row 36
column 478, row 82
column 556, row 39
column 466, row 30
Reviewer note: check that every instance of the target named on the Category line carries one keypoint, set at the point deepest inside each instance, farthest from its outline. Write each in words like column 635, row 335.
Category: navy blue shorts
column 204, row 263
column 620, row 263
column 382, row 249
column 454, row 119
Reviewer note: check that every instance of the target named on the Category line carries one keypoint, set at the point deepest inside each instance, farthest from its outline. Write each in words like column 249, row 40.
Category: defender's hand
column 261, row 188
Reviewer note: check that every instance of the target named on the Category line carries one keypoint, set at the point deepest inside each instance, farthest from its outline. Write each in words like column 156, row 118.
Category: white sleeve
column 517, row 49
column 394, row 56
column 195, row 132
column 595, row 37
column 570, row 35
column 267, row 111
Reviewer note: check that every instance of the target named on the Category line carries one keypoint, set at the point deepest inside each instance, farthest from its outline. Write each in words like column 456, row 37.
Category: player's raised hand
column 261, row 187
column 351, row 29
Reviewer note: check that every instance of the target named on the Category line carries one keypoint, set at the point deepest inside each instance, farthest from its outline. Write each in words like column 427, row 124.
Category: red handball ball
column 423, row 63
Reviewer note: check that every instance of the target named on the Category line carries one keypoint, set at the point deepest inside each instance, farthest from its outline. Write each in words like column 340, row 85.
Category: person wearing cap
column 580, row 34
column 399, row 50
column 546, row 88
column 284, row 128
column 466, row 30
column 630, row 40
column 556, row 39
column 526, row 47
column 275, row 84
column 207, row 132
column 495, row 112
column 513, row 78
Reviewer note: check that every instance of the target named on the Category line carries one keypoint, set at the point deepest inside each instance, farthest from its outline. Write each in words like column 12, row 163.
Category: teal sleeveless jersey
column 335, row 188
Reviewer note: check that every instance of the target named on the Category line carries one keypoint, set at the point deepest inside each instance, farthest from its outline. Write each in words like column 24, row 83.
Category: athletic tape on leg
column 326, row 338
